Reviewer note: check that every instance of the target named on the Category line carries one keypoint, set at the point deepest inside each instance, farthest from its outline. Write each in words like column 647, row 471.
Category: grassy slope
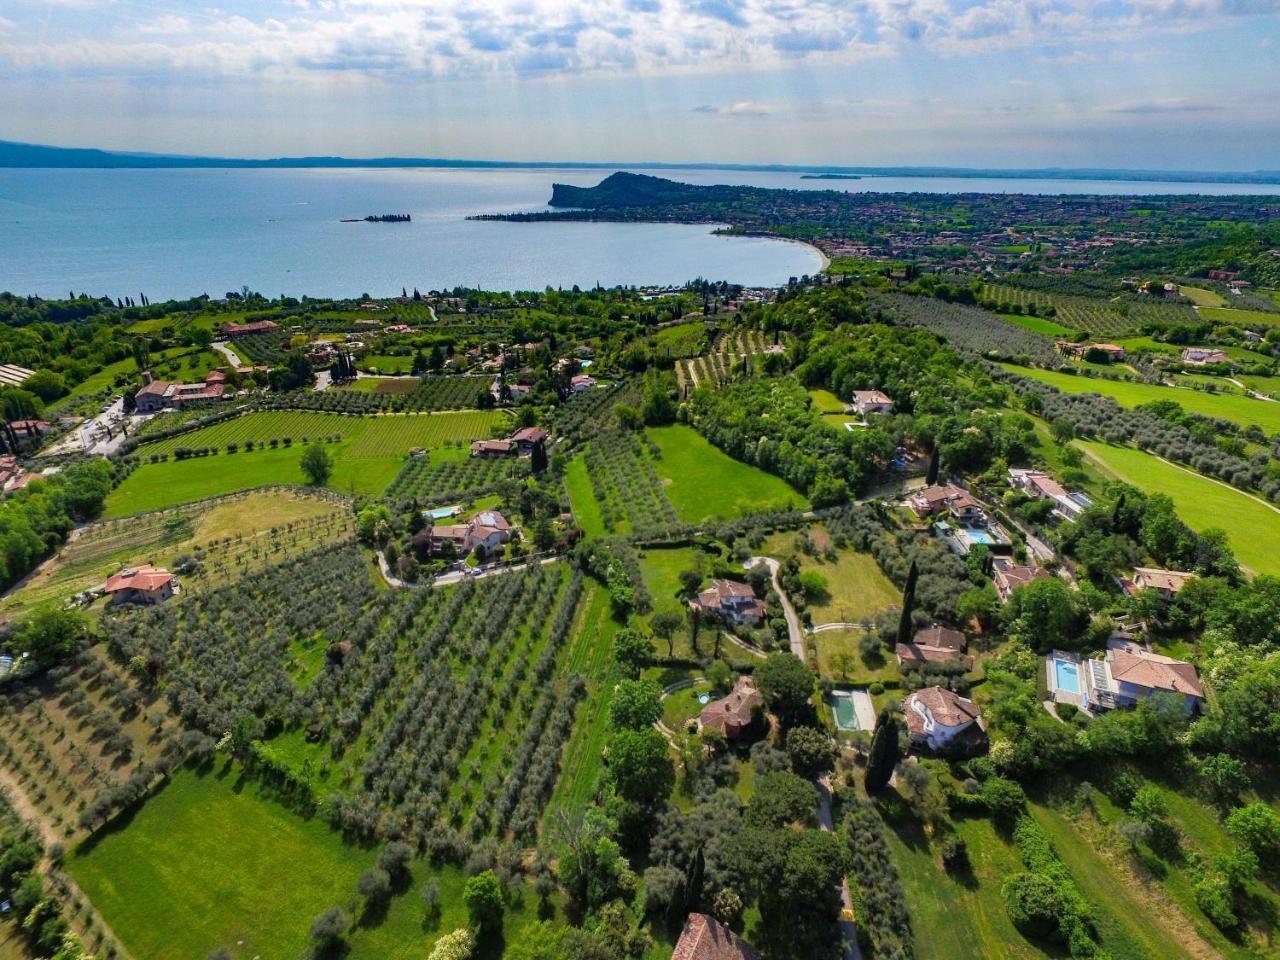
column 1201, row 297
column 1240, row 318
column 209, row 862
column 1241, row 410
column 1038, row 325
column 586, row 510
column 702, row 482
column 1252, row 527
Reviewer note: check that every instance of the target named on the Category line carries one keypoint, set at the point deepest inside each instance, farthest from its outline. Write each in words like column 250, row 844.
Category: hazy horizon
column 1142, row 84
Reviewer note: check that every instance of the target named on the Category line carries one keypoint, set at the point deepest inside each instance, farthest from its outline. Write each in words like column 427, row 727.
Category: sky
column 1151, row 84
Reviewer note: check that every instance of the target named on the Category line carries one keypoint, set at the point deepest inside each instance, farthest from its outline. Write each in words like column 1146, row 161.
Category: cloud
column 1172, row 105
column 414, row 40
column 742, row 108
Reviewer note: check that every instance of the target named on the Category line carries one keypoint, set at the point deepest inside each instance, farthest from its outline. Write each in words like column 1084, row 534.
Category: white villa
column 942, row 720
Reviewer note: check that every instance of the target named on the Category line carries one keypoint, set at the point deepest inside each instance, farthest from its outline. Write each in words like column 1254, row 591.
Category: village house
column 934, row 644
column 231, row 331
column 1127, row 675
column 706, row 938
column 1203, row 356
column 29, row 428
column 488, row 530
column 526, row 438
column 157, row 395
column 492, row 449
column 145, row 584
column 944, row 721
column 734, row 713
column 581, row 383
column 1008, row 576
column 729, row 600
column 871, row 401
column 1166, row 583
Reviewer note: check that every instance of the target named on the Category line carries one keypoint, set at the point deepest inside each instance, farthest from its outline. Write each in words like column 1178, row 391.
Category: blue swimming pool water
column 1067, row 675
column 980, row 536
column 441, row 512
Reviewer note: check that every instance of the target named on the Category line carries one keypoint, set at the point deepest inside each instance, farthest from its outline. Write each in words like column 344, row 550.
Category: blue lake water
column 176, row 233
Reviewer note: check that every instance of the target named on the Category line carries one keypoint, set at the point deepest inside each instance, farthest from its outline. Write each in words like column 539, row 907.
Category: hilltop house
column 145, row 584
column 1127, row 675
column 871, row 401
column 158, row 395
column 733, row 714
column 934, row 644
column 944, row 721
column 731, row 601
column 1008, row 576
column 488, row 530
column 706, row 938
column 1203, row 356
column 1166, row 583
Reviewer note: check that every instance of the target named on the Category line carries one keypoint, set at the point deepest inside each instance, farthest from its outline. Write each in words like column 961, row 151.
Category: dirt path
column 794, row 629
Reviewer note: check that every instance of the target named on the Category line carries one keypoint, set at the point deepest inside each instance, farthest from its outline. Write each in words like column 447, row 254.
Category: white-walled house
column 944, row 721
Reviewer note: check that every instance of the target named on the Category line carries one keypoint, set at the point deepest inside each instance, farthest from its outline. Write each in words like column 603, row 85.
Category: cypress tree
column 908, row 603
column 932, row 477
column 538, row 461
column 884, row 752
column 693, row 882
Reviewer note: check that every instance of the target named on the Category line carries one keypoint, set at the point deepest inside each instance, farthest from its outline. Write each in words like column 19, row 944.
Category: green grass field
column 1242, row 410
column 1201, row 297
column 703, row 483
column 210, row 863
column 1037, row 324
column 1240, row 318
column 383, row 363
column 187, row 363
column 370, row 436
column 1252, row 527
column 824, row 401
column 586, row 509
column 155, row 486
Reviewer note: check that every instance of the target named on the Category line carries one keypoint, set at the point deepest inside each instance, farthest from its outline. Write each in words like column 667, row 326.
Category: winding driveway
column 794, row 629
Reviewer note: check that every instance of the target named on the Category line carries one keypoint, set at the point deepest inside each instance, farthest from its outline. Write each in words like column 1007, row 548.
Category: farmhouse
column 158, row 395
column 231, row 331
column 492, row 449
column 145, row 584
column 733, row 714
column 729, row 600
column 871, row 401
column 944, row 721
column 1008, row 576
column 581, row 383
column 706, row 938
column 488, row 530
column 1166, row 583
column 1203, row 356
column 526, row 438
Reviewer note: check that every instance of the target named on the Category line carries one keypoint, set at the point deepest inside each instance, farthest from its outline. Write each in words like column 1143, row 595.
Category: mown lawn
column 962, row 917
column 704, row 483
column 154, row 486
column 1252, row 527
column 210, row 863
column 1201, row 297
column 1241, row 410
column 824, row 401
column 1037, row 324
column 1240, row 318
column 586, row 509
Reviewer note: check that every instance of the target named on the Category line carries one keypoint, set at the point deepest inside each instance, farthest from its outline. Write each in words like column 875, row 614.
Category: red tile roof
column 736, row 708
column 145, row 578
column 705, row 938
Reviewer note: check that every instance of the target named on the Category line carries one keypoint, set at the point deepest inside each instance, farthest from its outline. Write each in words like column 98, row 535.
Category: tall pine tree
column 884, row 752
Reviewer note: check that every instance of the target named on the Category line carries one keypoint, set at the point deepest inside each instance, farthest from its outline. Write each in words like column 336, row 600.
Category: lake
column 178, row 233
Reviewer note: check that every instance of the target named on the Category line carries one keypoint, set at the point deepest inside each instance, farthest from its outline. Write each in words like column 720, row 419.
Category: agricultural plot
column 367, row 732
column 586, row 414
column 968, row 328
column 1245, row 319
column 368, row 436
column 402, row 395
column 626, row 487
column 681, row 341
column 1097, row 316
column 723, row 360
column 1245, row 411
column 449, row 474
column 1202, row 297
column 262, row 349
column 1039, row 325
column 228, row 537
column 703, row 483
column 1252, row 526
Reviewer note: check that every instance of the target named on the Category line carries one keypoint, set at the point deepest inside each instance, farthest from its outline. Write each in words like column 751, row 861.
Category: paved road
column 839, row 625
column 101, row 434
column 794, row 629
column 847, row 927
column 223, row 348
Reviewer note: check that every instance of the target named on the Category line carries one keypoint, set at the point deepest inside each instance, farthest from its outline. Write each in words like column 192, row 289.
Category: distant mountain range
column 30, row 155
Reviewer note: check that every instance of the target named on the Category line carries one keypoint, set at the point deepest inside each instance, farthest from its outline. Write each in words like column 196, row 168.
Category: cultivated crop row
column 586, row 414
column 966, row 328
column 431, row 393
column 262, row 349
column 430, row 478
column 1095, row 315
column 626, row 485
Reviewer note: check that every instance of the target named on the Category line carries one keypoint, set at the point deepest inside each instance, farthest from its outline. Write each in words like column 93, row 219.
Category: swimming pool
column 439, row 513
column 846, row 716
column 980, row 536
column 1067, row 675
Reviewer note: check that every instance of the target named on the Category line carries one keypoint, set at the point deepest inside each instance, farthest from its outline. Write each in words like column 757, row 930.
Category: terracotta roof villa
column 144, row 584
column 943, row 720
column 706, row 938
column 1167, row 583
column 731, row 601
column 1128, row 675
column 934, row 645
column 232, row 330
column 732, row 714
